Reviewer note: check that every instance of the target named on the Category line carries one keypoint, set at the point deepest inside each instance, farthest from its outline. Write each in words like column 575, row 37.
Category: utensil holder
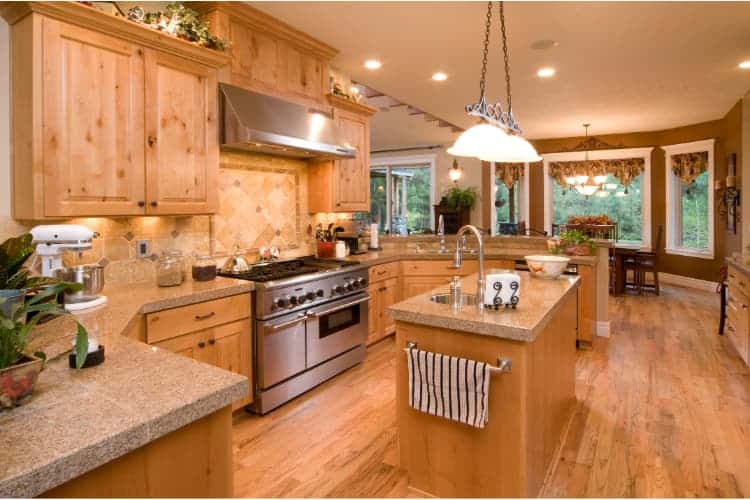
column 326, row 249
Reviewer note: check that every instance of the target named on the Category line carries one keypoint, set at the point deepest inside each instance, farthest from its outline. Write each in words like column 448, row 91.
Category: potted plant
column 24, row 302
column 576, row 243
column 461, row 199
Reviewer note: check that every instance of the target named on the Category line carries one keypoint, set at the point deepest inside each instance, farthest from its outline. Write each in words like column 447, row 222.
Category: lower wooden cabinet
column 737, row 327
column 421, row 276
column 384, row 293
column 226, row 345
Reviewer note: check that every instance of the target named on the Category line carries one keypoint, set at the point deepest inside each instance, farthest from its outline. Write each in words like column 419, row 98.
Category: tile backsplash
column 262, row 202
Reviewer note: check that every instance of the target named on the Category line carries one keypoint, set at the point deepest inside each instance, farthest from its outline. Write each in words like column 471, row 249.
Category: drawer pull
column 201, row 317
column 381, row 273
column 201, row 344
column 212, row 341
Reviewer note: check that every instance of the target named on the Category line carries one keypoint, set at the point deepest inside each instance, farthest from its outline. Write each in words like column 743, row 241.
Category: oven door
column 336, row 327
column 280, row 348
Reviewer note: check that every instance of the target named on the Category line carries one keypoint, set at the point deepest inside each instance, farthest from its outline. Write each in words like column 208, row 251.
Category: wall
column 443, row 163
column 727, row 132
column 745, row 180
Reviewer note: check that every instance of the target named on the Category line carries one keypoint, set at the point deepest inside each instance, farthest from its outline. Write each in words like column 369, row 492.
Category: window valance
column 688, row 166
column 624, row 170
column 509, row 173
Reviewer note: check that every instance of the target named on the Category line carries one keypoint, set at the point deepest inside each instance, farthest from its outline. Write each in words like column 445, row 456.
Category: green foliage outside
column 418, row 189
column 502, row 195
column 625, row 209
column 694, row 213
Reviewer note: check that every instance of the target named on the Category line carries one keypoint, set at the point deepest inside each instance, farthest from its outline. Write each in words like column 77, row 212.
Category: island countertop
column 539, row 299
column 76, row 421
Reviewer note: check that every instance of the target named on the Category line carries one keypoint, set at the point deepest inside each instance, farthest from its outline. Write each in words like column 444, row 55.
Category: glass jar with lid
column 177, row 255
column 169, row 271
column 204, row 268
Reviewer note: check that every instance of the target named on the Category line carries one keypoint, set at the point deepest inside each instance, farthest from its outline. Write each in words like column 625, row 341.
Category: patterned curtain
column 509, row 173
column 688, row 166
column 624, row 170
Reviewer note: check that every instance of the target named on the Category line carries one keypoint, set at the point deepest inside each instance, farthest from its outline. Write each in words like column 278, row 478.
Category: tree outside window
column 400, row 198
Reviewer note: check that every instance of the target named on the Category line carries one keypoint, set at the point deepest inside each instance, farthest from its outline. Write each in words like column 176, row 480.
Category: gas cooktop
column 285, row 269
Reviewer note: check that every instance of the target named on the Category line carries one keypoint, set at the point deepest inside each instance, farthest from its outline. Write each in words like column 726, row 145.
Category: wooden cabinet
column 421, row 276
column 109, row 117
column 384, row 292
column 737, row 326
column 182, row 152
column 216, row 332
column 268, row 55
column 344, row 185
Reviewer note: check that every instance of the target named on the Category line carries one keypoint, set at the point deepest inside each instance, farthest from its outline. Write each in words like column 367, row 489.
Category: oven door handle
column 338, row 308
column 289, row 323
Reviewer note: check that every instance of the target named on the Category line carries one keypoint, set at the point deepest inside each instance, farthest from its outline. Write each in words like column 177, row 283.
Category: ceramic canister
column 502, row 289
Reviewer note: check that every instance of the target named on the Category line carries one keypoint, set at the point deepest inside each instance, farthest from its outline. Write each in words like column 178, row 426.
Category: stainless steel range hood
column 256, row 122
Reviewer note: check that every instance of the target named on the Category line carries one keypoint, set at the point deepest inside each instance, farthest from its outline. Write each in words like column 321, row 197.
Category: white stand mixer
column 52, row 241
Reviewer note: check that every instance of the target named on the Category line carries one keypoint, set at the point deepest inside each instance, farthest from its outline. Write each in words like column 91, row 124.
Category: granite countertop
column 76, row 421
column 539, row 299
column 374, row 257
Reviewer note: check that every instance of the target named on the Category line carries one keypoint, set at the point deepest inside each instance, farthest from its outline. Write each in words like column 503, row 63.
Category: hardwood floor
column 664, row 410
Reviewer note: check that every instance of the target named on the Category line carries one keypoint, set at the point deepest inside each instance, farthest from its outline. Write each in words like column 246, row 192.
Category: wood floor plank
column 663, row 410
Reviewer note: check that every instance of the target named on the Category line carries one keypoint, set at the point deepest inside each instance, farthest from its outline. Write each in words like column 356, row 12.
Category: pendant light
column 498, row 136
column 585, row 180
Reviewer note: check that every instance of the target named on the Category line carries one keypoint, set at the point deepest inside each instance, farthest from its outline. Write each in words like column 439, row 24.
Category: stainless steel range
column 310, row 324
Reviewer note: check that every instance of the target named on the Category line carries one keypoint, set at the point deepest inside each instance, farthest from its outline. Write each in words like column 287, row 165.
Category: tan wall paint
column 726, row 131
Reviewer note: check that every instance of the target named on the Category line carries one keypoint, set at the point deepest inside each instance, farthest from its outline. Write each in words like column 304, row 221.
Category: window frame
column 673, row 189
column 416, row 161
column 524, row 192
column 605, row 154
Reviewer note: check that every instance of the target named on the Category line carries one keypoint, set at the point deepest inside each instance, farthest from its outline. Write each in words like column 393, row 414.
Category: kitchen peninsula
column 529, row 407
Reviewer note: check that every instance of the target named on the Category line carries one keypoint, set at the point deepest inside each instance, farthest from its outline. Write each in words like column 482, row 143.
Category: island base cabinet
column 529, row 409
column 193, row 461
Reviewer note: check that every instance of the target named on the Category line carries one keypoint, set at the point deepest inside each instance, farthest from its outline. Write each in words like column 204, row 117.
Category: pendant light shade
column 514, row 149
column 478, row 141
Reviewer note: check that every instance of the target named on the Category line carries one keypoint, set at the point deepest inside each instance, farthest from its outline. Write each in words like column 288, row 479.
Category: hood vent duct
column 256, row 122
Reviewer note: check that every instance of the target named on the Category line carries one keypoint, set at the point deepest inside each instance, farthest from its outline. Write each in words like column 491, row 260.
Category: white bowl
column 546, row 266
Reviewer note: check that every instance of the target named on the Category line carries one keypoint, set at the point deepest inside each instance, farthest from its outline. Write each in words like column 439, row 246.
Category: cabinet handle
column 201, row 344
column 141, row 203
column 381, row 273
column 382, row 289
column 151, row 140
column 200, row 317
column 212, row 341
column 154, row 203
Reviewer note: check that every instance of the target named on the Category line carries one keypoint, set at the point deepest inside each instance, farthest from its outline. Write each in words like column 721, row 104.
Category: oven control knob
column 301, row 299
column 338, row 289
column 319, row 292
column 362, row 282
column 281, row 303
column 310, row 296
column 349, row 286
column 355, row 284
column 293, row 300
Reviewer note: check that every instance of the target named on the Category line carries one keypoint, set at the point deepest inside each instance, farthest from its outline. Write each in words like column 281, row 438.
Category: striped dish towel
column 449, row 387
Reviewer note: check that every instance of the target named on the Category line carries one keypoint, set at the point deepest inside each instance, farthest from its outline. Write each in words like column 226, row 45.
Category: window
column 621, row 205
column 690, row 199
column 631, row 210
column 401, row 194
column 511, row 188
column 507, row 202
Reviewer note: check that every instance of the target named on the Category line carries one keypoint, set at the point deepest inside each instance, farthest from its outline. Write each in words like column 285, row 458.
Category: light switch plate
column 142, row 248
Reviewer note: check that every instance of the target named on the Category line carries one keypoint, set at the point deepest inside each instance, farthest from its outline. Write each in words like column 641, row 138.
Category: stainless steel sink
column 445, row 298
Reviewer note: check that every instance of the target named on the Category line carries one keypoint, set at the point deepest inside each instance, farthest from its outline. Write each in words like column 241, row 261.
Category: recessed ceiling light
column 745, row 65
column 544, row 44
column 440, row 76
column 545, row 72
column 373, row 64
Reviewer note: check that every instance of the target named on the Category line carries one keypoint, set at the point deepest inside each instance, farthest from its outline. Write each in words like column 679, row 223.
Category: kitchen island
column 529, row 407
column 145, row 423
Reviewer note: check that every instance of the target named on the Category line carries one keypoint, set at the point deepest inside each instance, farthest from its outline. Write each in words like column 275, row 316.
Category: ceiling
column 622, row 66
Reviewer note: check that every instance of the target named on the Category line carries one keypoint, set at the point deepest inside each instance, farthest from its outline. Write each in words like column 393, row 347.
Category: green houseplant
column 461, row 199
column 576, row 243
column 25, row 300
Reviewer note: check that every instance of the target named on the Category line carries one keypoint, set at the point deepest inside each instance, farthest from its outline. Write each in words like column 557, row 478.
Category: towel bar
column 504, row 365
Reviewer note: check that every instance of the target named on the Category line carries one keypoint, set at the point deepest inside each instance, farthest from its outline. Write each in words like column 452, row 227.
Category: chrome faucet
column 458, row 259
column 441, row 233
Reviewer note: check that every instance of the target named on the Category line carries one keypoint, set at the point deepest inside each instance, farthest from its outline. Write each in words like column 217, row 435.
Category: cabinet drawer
column 737, row 280
column 383, row 272
column 181, row 320
column 438, row 268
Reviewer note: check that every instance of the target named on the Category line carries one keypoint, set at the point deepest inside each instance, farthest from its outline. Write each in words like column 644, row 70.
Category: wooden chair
column 648, row 262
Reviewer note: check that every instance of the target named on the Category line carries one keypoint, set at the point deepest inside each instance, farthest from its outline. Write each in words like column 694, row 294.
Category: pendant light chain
column 506, row 58
column 485, row 51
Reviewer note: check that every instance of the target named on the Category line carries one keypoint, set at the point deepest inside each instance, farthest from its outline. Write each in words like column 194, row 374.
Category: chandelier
column 497, row 137
column 585, row 177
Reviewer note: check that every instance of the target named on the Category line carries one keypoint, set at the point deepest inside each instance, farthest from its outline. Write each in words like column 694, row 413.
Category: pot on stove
column 237, row 263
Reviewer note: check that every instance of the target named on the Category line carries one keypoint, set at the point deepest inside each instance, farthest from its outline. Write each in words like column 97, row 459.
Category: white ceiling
column 623, row 67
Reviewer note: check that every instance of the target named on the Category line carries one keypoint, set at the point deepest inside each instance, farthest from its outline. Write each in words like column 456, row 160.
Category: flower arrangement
column 181, row 22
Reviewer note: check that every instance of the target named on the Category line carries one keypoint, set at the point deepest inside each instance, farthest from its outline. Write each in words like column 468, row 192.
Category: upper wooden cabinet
column 344, row 185
column 108, row 117
column 269, row 56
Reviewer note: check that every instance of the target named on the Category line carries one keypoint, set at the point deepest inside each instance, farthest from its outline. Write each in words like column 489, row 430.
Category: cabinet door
column 302, row 73
column 255, row 58
column 374, row 324
column 415, row 285
column 192, row 345
column 182, row 153
column 389, row 295
column 231, row 350
column 352, row 176
column 93, row 91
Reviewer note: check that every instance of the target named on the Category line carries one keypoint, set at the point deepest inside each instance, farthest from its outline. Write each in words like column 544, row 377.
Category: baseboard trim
column 602, row 328
column 687, row 282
